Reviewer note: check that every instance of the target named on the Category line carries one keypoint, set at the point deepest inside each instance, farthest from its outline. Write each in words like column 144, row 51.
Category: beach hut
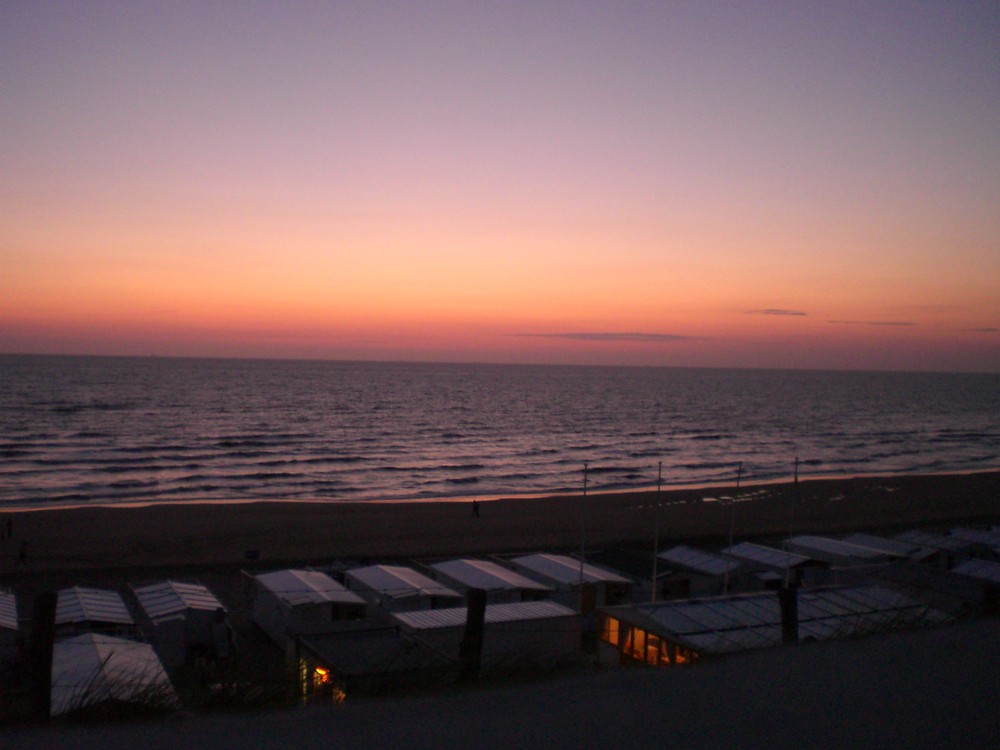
column 686, row 572
column 87, row 610
column 289, row 603
column 502, row 585
column 394, row 588
column 678, row 632
column 987, row 574
column 93, row 671
column 368, row 662
column 517, row 637
column 986, row 543
column 772, row 565
column 579, row 585
column 896, row 547
column 951, row 550
column 185, row 622
column 9, row 630
column 839, row 553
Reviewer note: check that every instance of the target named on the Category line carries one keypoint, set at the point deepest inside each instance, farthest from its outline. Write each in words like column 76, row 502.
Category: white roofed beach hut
column 686, row 571
column 952, row 550
column 576, row 584
column 86, row 610
column 502, row 585
column 517, row 637
column 183, row 621
column 840, row 553
column 93, row 672
column 395, row 588
column 768, row 560
column 915, row 552
column 289, row 603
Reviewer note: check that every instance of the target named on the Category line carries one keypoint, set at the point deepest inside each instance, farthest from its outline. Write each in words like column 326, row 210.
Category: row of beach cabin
column 382, row 628
column 103, row 653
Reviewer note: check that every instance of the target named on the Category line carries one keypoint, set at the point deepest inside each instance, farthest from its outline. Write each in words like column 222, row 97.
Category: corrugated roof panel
column 400, row 582
column 698, row 560
column 301, row 587
column 171, row 597
column 486, row 575
column 757, row 610
column 977, row 536
column 566, row 569
column 984, row 570
column 79, row 604
column 822, row 544
column 769, row 556
column 8, row 610
column 456, row 616
column 934, row 541
column 721, row 625
column 890, row 546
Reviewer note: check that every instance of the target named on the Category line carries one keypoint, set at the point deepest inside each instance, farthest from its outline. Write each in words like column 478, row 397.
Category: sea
column 118, row 430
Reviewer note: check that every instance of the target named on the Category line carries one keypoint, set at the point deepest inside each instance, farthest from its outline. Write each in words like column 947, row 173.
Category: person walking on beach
column 475, row 508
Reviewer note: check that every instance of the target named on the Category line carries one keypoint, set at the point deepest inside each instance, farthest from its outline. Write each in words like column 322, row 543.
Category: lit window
column 610, row 632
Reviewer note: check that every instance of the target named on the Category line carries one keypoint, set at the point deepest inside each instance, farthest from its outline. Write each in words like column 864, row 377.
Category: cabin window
column 638, row 643
column 652, row 649
column 610, row 631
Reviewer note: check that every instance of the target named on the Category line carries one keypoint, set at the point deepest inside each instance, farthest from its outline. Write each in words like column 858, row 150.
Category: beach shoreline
column 288, row 532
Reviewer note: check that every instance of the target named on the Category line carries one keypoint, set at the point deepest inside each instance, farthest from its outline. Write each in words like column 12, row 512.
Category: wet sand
column 200, row 535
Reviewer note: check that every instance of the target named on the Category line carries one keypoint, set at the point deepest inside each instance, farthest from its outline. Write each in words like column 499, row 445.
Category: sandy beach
column 199, row 535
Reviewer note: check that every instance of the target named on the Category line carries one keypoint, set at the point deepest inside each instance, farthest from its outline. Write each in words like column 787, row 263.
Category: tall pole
column 791, row 509
column 583, row 543
column 656, row 526
column 732, row 522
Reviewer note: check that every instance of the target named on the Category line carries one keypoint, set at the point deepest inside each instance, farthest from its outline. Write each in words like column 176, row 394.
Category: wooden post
column 788, row 598
column 732, row 523
column 470, row 650
column 43, row 627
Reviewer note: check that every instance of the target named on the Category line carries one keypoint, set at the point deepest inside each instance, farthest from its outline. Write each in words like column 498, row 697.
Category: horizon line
column 480, row 363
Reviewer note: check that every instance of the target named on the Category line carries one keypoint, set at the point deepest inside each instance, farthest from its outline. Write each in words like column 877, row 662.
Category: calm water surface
column 98, row 430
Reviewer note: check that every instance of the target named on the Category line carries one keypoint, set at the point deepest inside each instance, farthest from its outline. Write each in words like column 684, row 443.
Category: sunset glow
column 778, row 185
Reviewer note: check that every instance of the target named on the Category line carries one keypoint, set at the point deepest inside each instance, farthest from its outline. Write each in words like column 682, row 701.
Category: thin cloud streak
column 631, row 337
column 902, row 323
column 778, row 311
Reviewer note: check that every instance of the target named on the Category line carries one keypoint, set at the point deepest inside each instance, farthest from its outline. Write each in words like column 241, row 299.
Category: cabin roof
column 567, row 570
column 169, row 598
column 983, row 570
column 698, row 560
column 454, row 617
column 398, row 582
column 769, row 556
column 80, row 604
column 303, row 587
column 487, row 575
column 737, row 623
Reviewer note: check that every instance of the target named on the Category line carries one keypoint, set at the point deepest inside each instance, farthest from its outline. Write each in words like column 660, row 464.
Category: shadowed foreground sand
column 204, row 534
column 933, row 688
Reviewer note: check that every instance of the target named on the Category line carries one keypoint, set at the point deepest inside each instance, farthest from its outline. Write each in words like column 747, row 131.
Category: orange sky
column 538, row 183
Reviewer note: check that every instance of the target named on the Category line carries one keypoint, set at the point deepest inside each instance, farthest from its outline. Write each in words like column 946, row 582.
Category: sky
column 772, row 184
